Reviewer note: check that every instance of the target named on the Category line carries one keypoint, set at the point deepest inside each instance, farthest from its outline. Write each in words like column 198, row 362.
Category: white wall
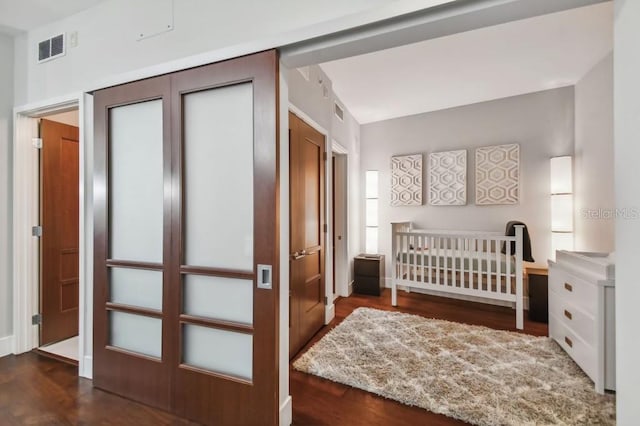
column 593, row 160
column 627, row 189
column 6, row 152
column 107, row 37
column 542, row 123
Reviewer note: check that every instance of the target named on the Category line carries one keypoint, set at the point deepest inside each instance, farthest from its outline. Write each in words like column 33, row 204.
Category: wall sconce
column 561, row 190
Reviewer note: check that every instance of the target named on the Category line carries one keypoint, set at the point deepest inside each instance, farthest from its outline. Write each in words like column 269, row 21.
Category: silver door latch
column 264, row 276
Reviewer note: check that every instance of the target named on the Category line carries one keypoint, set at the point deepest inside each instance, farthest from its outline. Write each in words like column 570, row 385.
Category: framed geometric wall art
column 406, row 180
column 498, row 174
column 448, row 178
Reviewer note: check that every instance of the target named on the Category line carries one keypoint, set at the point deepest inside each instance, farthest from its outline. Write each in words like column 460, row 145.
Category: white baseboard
column 87, row 368
column 350, row 288
column 6, row 346
column 329, row 313
column 286, row 412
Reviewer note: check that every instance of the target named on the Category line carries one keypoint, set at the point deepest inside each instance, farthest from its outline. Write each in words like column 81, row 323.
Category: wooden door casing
column 168, row 383
column 307, row 232
column 60, row 206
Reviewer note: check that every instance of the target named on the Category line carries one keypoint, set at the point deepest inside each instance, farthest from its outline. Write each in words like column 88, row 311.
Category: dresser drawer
column 583, row 354
column 575, row 290
column 580, row 322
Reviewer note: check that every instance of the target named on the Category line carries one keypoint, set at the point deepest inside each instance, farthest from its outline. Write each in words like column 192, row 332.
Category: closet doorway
column 186, row 271
column 307, row 156
column 59, row 235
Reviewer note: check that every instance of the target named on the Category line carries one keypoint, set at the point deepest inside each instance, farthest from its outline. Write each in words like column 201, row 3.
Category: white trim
column 26, row 257
column 286, row 412
column 310, row 121
column 329, row 312
column 337, row 148
column 87, row 367
column 6, row 346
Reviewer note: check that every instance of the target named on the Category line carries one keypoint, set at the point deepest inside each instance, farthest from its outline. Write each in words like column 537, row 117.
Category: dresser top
column 600, row 265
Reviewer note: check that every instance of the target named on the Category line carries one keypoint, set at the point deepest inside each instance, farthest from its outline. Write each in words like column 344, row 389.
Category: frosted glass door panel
column 136, row 287
column 218, row 177
column 226, row 299
column 136, row 181
column 136, row 333
column 219, row 351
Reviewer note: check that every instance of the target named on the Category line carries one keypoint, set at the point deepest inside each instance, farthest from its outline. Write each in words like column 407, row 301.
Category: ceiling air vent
column 339, row 112
column 51, row 48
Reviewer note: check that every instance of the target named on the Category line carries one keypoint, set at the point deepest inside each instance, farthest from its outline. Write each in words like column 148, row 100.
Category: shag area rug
column 475, row 374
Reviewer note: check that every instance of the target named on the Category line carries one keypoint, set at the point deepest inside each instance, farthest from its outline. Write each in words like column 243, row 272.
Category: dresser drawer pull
column 568, row 287
column 568, row 314
column 568, row 342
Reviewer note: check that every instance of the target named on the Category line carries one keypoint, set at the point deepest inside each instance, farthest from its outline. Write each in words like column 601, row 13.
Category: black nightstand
column 538, row 279
column 368, row 274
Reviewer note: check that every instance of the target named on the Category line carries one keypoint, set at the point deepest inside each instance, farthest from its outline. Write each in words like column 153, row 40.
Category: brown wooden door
column 210, row 350
column 60, row 237
column 307, row 236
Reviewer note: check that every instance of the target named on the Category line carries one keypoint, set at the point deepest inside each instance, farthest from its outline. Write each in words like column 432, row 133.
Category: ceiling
column 515, row 58
column 24, row 15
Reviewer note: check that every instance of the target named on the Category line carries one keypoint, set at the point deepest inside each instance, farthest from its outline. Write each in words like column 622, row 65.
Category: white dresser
column 582, row 312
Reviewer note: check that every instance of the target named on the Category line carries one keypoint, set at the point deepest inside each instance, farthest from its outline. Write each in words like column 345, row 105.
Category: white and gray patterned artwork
column 498, row 174
column 406, row 180
column 448, row 178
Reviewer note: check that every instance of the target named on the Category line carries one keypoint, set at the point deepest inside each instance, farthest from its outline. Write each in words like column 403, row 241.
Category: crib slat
column 438, row 242
column 508, row 257
column 470, row 260
column 488, row 265
column 498, row 266
column 478, row 263
column 430, row 251
column 445, row 258
column 460, row 263
column 420, row 265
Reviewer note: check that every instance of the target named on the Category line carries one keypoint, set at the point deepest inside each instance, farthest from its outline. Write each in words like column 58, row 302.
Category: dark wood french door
column 307, row 232
column 186, row 228
column 60, row 206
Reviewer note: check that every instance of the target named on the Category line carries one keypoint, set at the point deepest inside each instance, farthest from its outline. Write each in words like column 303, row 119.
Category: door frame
column 329, row 308
column 25, row 210
column 342, row 212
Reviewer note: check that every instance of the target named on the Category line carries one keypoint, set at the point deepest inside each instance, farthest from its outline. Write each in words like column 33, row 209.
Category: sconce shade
column 562, row 213
column 561, row 175
column 371, row 184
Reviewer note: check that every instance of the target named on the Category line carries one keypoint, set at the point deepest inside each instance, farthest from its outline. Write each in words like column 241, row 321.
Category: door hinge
column 36, row 231
column 326, row 301
column 324, row 156
column 325, row 229
column 36, row 319
column 37, row 143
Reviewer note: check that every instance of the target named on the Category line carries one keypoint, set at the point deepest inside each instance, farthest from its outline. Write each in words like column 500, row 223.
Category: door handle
column 264, row 277
column 298, row 255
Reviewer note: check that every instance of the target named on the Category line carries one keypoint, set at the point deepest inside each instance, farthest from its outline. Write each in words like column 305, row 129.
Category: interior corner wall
column 593, row 162
column 6, row 153
column 626, row 69
column 542, row 123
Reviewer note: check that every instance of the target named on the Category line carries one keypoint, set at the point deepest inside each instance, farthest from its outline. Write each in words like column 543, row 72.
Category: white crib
column 462, row 262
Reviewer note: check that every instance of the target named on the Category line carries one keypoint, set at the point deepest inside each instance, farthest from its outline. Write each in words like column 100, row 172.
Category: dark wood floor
column 35, row 390
column 318, row 401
